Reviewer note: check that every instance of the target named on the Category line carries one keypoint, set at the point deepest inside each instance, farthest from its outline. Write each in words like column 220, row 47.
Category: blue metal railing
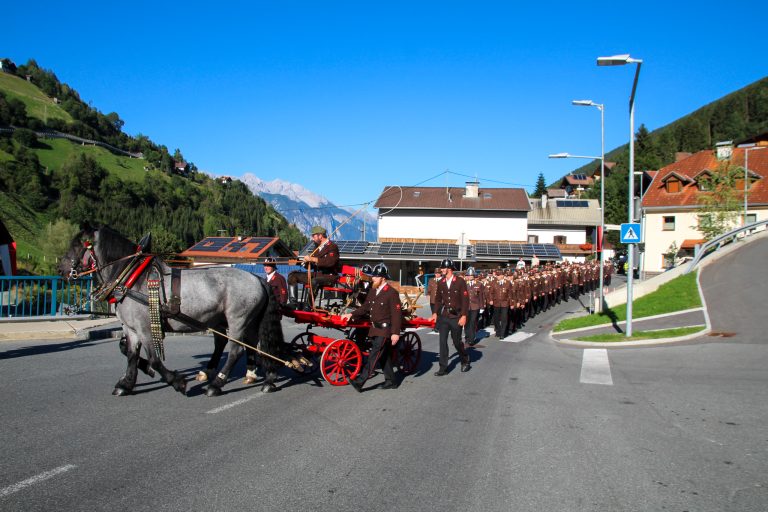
column 716, row 243
column 42, row 296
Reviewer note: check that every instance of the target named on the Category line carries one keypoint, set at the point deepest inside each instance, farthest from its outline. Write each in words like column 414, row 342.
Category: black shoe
column 357, row 385
column 388, row 384
column 440, row 373
column 464, row 367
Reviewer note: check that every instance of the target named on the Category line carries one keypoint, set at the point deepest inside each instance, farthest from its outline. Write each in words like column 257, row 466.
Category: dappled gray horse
column 221, row 298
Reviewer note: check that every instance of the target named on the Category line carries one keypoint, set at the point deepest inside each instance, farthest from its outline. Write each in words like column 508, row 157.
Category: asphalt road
column 533, row 426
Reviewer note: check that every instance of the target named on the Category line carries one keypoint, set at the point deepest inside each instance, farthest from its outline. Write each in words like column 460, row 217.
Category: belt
column 380, row 325
column 451, row 311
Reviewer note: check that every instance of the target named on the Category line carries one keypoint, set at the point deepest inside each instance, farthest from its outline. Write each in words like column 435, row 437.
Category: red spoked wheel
column 341, row 361
column 407, row 353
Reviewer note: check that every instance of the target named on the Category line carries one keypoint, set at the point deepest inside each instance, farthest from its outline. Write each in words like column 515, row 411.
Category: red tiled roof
column 657, row 196
column 452, row 198
column 237, row 249
column 571, row 180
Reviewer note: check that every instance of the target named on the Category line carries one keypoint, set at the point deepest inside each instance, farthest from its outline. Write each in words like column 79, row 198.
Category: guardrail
column 42, row 296
column 716, row 243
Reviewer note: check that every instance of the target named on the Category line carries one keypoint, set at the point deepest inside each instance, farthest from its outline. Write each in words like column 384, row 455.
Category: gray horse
column 220, row 298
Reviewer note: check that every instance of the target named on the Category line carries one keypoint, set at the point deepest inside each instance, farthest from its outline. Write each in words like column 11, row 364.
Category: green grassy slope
column 54, row 152
column 38, row 104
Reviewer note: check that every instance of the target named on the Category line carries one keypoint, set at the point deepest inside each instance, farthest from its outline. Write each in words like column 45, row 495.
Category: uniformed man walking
column 383, row 306
column 452, row 307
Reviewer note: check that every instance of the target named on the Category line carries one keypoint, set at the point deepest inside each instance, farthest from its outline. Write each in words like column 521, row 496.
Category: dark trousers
column 501, row 320
column 447, row 325
column 470, row 328
column 381, row 352
column 318, row 280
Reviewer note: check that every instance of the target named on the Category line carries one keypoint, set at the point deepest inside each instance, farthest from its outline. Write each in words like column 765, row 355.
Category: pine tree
column 541, row 186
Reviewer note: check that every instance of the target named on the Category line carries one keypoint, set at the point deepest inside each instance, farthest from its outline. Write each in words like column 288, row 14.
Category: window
column 559, row 239
column 533, row 239
column 751, row 218
column 669, row 223
column 673, row 186
column 704, row 185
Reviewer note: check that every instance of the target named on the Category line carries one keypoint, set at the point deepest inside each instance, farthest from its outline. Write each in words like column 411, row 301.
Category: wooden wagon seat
column 345, row 281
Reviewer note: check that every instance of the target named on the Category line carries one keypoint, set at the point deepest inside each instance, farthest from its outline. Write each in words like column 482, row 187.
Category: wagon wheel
column 407, row 353
column 301, row 343
column 340, row 362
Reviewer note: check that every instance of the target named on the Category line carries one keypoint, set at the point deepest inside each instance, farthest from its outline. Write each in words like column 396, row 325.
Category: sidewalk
column 64, row 329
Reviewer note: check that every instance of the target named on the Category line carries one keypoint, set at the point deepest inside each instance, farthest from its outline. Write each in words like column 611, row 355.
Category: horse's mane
column 112, row 245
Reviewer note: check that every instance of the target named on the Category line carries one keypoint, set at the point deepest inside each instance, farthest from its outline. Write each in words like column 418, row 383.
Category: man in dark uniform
column 383, row 307
column 476, row 292
column 277, row 282
column 500, row 295
column 322, row 268
column 452, row 307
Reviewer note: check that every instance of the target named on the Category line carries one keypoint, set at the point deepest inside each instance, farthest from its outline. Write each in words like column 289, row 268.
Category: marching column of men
column 513, row 296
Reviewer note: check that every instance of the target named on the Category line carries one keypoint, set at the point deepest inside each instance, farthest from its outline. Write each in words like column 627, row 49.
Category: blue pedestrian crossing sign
column 630, row 233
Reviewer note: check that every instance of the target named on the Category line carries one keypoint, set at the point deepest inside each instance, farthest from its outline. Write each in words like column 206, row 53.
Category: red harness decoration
column 134, row 276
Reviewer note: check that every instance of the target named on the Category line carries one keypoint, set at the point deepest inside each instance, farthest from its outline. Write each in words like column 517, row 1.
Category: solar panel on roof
column 210, row 244
column 352, row 246
column 570, row 203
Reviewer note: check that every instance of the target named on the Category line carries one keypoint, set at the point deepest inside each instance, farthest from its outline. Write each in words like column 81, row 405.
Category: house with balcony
column 672, row 202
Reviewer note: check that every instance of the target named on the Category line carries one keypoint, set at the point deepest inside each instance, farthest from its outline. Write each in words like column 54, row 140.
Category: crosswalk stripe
column 595, row 367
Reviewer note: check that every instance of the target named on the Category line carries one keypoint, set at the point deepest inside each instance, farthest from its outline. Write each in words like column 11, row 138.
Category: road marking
column 234, row 404
column 595, row 367
column 518, row 337
column 34, row 480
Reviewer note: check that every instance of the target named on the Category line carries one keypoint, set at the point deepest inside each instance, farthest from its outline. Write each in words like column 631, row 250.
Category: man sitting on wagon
column 383, row 307
column 322, row 268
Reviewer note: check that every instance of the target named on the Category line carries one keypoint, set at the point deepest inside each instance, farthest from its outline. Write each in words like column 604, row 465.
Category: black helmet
column 471, row 272
column 380, row 270
column 366, row 269
column 270, row 261
column 447, row 263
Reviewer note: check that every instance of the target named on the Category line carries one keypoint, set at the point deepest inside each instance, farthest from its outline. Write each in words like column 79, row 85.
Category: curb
column 630, row 344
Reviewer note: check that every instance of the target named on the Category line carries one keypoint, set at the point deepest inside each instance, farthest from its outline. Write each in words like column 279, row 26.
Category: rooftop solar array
column 510, row 250
column 352, row 246
column 579, row 176
column 211, row 244
column 260, row 243
column 419, row 249
column 569, row 203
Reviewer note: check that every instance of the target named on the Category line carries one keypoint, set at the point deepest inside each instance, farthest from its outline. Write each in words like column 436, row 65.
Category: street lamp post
column 747, row 149
column 620, row 60
column 601, row 235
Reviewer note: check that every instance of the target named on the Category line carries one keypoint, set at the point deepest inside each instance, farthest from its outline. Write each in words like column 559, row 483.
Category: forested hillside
column 48, row 186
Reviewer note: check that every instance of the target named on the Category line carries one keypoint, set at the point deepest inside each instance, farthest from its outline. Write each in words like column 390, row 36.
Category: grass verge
column 643, row 335
column 679, row 294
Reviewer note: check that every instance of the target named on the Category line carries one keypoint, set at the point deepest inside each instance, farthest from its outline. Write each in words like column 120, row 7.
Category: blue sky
column 346, row 98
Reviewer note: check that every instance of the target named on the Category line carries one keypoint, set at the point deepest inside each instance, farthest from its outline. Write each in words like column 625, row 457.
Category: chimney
column 543, row 201
column 724, row 150
column 681, row 155
column 472, row 189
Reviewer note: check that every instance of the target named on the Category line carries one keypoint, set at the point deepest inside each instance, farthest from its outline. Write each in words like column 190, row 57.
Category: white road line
column 595, row 367
column 34, row 480
column 518, row 337
column 234, row 404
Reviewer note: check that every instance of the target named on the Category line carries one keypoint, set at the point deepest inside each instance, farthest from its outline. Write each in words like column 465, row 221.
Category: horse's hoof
column 268, row 388
column 121, row 392
column 201, row 376
column 212, row 391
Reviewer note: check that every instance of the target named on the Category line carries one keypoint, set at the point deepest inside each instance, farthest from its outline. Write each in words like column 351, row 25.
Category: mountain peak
column 293, row 191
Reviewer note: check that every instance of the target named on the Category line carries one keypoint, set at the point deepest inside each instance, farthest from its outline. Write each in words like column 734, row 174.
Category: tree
column 719, row 200
column 541, row 186
column 55, row 242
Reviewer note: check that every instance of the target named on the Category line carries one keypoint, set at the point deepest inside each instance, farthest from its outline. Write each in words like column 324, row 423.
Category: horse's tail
column 270, row 334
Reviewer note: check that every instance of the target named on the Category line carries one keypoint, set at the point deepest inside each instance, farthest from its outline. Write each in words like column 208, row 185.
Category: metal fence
column 715, row 244
column 42, row 296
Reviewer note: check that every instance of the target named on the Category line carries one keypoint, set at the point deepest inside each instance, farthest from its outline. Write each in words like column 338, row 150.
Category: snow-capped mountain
column 305, row 209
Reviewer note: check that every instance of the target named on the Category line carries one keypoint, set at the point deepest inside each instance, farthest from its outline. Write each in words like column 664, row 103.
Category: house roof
column 556, row 193
column 565, row 212
column 237, row 249
column 657, row 196
column 453, row 198
column 578, row 179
